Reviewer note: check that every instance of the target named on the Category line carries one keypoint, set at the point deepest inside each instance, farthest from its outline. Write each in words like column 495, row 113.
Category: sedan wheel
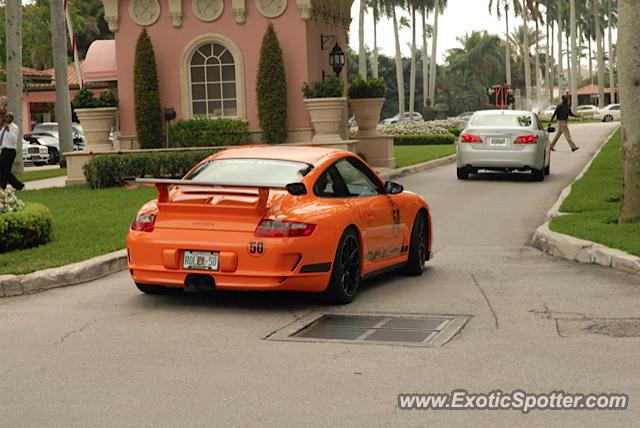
column 417, row 246
column 608, row 118
column 345, row 276
column 54, row 156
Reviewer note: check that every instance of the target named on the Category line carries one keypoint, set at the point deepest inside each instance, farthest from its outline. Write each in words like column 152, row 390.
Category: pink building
column 207, row 53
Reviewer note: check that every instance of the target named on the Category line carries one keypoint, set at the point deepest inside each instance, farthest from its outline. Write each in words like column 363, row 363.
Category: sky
column 461, row 17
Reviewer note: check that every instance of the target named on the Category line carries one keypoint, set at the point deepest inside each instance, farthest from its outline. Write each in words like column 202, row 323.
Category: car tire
column 159, row 289
column 608, row 118
column 54, row 156
column 345, row 275
column 537, row 174
column 547, row 169
column 417, row 246
column 462, row 173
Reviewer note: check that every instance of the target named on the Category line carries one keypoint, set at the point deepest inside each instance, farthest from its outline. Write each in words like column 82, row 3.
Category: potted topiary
column 325, row 103
column 366, row 98
column 97, row 116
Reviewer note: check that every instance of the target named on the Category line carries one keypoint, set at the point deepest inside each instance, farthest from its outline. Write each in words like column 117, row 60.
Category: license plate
column 498, row 141
column 200, row 260
column 35, row 157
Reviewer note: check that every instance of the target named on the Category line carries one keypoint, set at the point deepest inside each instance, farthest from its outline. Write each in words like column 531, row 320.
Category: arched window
column 213, row 85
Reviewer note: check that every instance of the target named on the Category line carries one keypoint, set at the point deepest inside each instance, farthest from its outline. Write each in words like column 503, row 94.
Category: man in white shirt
column 9, row 134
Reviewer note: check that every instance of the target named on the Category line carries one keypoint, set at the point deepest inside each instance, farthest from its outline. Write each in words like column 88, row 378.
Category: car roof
column 310, row 155
column 504, row 112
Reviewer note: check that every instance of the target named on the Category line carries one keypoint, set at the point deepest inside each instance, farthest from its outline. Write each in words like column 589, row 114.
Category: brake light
column 144, row 223
column 526, row 139
column 283, row 229
column 470, row 138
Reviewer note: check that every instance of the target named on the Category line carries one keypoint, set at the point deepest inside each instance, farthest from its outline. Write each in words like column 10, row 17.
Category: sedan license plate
column 498, row 141
column 35, row 157
column 200, row 260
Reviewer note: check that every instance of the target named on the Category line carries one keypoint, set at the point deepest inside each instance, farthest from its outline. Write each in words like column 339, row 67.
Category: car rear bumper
column 529, row 157
column 291, row 264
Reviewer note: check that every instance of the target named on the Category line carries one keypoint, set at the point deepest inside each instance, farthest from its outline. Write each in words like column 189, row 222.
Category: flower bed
column 433, row 127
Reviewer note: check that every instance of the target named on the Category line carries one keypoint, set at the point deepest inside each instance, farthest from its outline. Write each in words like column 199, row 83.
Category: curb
column 73, row 274
column 101, row 266
column 412, row 169
column 580, row 250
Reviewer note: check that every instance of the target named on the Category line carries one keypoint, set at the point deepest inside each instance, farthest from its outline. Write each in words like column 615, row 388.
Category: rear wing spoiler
column 163, row 184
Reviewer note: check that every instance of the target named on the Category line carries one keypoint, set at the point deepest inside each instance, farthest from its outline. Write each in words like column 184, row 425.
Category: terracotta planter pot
column 97, row 123
column 367, row 113
column 327, row 114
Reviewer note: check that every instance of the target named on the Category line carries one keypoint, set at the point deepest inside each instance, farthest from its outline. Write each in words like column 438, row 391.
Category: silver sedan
column 504, row 140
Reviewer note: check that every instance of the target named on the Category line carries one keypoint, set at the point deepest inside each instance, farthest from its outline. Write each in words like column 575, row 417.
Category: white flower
column 9, row 202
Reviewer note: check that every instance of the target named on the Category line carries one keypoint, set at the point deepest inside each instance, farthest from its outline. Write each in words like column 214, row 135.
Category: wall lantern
column 337, row 58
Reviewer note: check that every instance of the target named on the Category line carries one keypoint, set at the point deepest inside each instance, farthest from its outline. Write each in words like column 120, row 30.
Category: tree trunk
column 537, row 59
column 569, row 65
column 63, row 105
column 612, row 78
column 362, row 54
column 434, row 52
column 629, row 68
column 590, row 62
column 507, row 59
column 575, row 72
column 399, row 68
column 13, row 26
column 425, row 60
column 374, row 58
column 412, row 78
column 551, row 73
column 527, row 57
column 600, row 56
column 560, row 67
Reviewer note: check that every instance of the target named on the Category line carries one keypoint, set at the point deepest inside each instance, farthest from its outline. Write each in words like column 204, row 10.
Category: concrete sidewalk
column 46, row 183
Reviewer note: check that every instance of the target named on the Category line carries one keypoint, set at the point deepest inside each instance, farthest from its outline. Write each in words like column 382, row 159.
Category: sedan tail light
column 283, row 229
column 526, row 139
column 470, row 138
column 144, row 223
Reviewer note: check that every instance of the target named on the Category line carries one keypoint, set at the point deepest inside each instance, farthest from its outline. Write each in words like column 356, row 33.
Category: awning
column 100, row 64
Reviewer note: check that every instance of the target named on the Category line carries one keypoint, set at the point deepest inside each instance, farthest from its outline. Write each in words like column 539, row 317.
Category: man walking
column 8, row 141
column 563, row 111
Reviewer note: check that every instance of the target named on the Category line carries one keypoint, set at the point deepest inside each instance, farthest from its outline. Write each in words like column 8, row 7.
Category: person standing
column 562, row 112
column 9, row 141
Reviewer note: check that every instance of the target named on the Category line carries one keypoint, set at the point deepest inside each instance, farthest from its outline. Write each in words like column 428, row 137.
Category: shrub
column 146, row 94
column 455, row 131
column 109, row 170
column 84, row 98
column 424, row 140
column 203, row 132
column 332, row 87
column 371, row 88
column 9, row 202
column 271, row 90
column 26, row 228
column 453, row 126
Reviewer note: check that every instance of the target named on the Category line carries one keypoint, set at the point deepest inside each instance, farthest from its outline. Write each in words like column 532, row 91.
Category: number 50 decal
column 256, row 248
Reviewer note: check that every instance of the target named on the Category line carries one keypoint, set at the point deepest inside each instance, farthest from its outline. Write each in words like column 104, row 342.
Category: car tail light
column 526, row 139
column 283, row 229
column 144, row 223
column 470, row 138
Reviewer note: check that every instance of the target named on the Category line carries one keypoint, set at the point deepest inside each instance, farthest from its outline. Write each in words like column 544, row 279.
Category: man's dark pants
column 7, row 156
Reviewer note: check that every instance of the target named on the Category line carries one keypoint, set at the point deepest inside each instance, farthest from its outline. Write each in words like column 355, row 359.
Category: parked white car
column 46, row 140
column 395, row 119
column 609, row 113
column 548, row 112
column 587, row 111
column 34, row 153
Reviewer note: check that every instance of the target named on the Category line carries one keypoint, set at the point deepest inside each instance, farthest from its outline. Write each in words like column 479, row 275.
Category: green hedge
column 27, row 228
column 455, row 131
column 109, row 170
column 203, row 132
column 424, row 140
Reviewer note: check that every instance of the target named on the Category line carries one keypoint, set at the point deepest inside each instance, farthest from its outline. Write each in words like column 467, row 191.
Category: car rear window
column 257, row 172
column 502, row 120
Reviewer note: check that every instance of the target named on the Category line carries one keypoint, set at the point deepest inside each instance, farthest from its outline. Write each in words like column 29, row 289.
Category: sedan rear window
column 256, row 172
column 502, row 120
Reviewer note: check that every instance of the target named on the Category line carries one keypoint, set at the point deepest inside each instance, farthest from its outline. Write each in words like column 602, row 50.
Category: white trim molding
column 185, row 87
column 304, row 8
column 175, row 13
column 111, row 14
column 239, row 11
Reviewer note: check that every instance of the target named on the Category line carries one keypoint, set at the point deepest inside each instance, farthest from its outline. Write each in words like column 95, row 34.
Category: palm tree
column 427, row 31
column 506, row 5
column 362, row 54
column 13, row 49
column 414, row 6
column 439, row 6
column 629, row 64
column 610, row 25
column 597, row 8
column 376, row 18
column 389, row 7
column 527, row 59
column 574, row 52
column 560, row 6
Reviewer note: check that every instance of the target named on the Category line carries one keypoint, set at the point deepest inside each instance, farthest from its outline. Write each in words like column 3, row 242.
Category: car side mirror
column 392, row 188
column 296, row 189
column 551, row 129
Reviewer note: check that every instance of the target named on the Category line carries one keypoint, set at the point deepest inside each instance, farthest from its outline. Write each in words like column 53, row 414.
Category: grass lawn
column 86, row 223
column 41, row 174
column 594, row 204
column 411, row 155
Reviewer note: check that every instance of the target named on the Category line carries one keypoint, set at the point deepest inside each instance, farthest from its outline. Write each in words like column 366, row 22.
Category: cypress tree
column 146, row 94
column 272, row 90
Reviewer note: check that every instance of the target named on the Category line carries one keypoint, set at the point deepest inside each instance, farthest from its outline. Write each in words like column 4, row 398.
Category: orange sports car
column 277, row 218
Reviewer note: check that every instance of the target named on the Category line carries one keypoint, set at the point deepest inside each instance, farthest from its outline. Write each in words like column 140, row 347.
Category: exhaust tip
column 199, row 281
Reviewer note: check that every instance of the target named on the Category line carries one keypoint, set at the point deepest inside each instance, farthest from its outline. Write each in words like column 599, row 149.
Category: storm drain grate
column 401, row 329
